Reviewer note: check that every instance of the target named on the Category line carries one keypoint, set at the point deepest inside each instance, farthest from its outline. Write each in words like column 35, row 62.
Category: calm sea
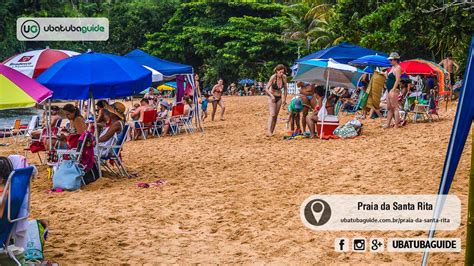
column 8, row 117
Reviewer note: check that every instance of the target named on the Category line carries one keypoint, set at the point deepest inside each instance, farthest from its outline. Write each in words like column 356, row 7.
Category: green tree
column 228, row 40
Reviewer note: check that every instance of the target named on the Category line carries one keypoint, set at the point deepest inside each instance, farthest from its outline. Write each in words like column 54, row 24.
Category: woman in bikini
column 77, row 126
column 273, row 89
column 216, row 92
column 392, row 84
column 309, row 98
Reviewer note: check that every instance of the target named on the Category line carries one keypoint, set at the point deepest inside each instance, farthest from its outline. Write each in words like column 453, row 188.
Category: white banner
column 378, row 212
column 62, row 29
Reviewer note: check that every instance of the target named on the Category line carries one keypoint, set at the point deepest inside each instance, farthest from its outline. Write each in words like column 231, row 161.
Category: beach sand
column 233, row 195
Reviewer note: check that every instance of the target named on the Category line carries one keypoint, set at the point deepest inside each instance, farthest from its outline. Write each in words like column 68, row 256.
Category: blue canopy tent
column 169, row 70
column 459, row 134
column 342, row 53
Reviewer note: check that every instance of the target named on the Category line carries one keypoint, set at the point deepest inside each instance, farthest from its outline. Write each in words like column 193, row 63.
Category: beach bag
column 35, row 237
column 345, row 131
column 68, row 176
column 6, row 168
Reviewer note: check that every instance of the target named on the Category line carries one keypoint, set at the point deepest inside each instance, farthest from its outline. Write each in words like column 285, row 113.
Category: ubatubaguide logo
column 30, row 29
column 317, row 212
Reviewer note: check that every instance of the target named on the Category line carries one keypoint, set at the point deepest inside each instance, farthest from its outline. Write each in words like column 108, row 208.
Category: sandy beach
column 233, row 195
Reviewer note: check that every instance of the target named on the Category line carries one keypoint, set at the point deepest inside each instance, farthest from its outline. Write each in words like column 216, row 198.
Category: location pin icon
column 317, row 208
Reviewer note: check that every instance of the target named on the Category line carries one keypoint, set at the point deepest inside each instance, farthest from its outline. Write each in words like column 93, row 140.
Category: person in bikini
column 216, row 92
column 307, row 94
column 392, row 83
column 275, row 85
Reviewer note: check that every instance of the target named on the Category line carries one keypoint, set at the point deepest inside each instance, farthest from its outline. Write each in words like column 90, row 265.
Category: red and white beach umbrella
column 33, row 63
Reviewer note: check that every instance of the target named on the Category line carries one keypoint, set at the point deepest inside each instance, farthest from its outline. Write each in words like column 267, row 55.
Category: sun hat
column 117, row 109
column 165, row 104
column 394, row 55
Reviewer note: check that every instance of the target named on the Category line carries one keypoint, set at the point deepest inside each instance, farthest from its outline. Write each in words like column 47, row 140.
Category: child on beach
column 204, row 103
column 294, row 109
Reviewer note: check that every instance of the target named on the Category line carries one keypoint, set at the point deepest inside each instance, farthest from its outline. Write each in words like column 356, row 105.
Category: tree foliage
column 228, row 40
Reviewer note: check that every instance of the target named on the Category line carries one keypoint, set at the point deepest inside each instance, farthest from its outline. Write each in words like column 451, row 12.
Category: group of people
column 392, row 90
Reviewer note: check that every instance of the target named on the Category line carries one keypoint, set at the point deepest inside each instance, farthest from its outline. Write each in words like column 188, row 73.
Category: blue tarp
column 95, row 74
column 342, row 53
column 459, row 134
column 166, row 68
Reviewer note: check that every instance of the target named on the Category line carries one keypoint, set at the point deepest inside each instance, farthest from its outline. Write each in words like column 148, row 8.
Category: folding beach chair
column 32, row 125
column 176, row 118
column 12, row 131
column 14, row 193
column 147, row 125
column 187, row 122
column 114, row 155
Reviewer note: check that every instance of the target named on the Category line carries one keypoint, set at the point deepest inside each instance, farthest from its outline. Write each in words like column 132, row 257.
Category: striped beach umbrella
column 19, row 91
column 33, row 63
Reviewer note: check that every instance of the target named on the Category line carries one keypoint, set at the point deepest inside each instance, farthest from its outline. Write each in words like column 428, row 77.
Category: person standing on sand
column 197, row 85
column 273, row 89
column 449, row 64
column 392, row 83
column 216, row 92
column 310, row 100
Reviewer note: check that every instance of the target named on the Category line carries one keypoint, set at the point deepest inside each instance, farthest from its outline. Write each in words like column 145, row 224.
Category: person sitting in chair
column 114, row 115
column 138, row 113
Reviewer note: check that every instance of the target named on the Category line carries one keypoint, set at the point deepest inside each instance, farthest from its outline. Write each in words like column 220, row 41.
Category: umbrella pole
column 96, row 131
column 325, row 99
column 48, row 126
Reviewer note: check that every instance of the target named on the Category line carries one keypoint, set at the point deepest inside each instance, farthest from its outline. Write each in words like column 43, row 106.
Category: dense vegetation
column 234, row 40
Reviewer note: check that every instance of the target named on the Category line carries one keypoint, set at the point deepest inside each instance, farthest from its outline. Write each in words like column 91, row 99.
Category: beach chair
column 147, row 125
column 12, row 131
column 115, row 155
column 32, row 125
column 14, row 193
column 187, row 122
column 176, row 116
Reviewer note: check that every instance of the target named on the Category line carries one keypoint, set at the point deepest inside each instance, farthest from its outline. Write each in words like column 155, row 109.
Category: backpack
column 6, row 168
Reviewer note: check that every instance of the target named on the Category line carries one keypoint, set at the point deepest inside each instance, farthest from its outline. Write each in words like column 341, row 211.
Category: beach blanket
column 375, row 90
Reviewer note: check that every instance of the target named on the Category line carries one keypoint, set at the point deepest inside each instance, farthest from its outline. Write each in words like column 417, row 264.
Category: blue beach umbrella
column 328, row 72
column 371, row 60
column 95, row 75
column 246, row 81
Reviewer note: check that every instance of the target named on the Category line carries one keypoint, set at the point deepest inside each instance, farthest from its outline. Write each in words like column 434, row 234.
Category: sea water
column 8, row 117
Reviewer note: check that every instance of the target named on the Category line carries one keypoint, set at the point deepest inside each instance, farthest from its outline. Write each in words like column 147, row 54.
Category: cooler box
column 331, row 122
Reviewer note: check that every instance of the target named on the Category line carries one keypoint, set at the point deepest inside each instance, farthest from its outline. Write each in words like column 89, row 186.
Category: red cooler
column 331, row 122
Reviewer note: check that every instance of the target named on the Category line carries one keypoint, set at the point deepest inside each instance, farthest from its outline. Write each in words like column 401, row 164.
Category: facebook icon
column 341, row 244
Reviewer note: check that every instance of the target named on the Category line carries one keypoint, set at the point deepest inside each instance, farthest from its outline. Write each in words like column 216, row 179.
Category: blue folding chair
column 114, row 154
column 14, row 193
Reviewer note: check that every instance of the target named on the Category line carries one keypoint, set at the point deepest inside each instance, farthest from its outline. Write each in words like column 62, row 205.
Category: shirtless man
column 449, row 64
column 138, row 113
column 216, row 92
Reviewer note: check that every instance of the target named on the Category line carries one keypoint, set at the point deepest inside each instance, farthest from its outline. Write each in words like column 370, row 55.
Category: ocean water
column 8, row 117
